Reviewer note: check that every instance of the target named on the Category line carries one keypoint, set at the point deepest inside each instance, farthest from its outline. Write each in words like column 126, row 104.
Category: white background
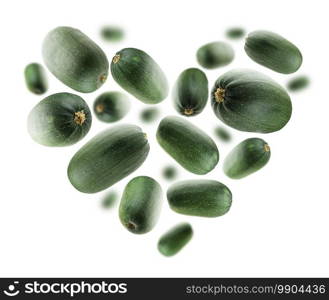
column 278, row 223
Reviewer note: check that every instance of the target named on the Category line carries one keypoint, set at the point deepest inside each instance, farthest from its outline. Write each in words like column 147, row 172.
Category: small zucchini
column 35, row 78
column 298, row 83
column 149, row 115
column 109, row 199
column 60, row 119
column 111, row 106
column 215, row 54
column 203, row 198
column 137, row 73
column 75, row 59
column 190, row 92
column 175, row 239
column 112, row 33
column 223, row 134
column 169, row 172
column 140, row 204
column 107, row 158
column 273, row 51
column 250, row 101
column 192, row 148
column 235, row 33
column 246, row 158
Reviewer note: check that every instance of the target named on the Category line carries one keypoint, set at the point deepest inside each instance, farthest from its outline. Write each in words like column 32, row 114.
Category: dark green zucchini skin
column 200, row 197
column 298, row 83
column 175, row 239
column 190, row 93
column 112, row 33
column 235, row 33
column 35, row 78
column 109, row 199
column 149, row 115
column 107, row 158
column 111, row 106
column 214, row 55
column 75, row 59
column 223, row 134
column 169, row 172
column 59, row 120
column 273, row 51
column 246, row 158
column 137, row 73
column 140, row 204
column 250, row 101
column 192, row 148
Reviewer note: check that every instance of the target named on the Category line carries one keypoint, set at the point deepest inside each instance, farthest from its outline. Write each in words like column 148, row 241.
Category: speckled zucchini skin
column 273, row 51
column 137, row 73
column 107, row 158
column 192, row 148
column 246, row 158
column 140, row 204
column 59, row 120
column 200, row 197
column 75, row 59
column 250, row 101
column 190, row 93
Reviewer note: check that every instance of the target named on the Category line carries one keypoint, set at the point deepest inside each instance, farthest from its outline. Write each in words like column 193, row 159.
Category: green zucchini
column 223, row 134
column 235, row 33
column 175, row 239
column 273, row 51
column 75, row 59
column 35, row 78
column 109, row 199
column 169, row 172
column 246, row 158
column 250, row 101
column 215, row 54
column 137, row 73
column 200, row 197
column 112, row 33
column 107, row 158
column 111, row 106
column 149, row 115
column 60, row 119
column 192, row 148
column 298, row 83
column 140, row 204
column 190, row 93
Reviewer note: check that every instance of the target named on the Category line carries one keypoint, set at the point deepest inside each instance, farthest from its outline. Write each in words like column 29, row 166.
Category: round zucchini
column 175, row 239
column 60, row 119
column 140, row 204
column 215, row 54
column 190, row 93
column 298, row 83
column 137, row 73
column 200, row 197
column 35, row 78
column 75, row 59
column 273, row 51
column 111, row 106
column 107, row 158
column 246, row 158
column 169, row 172
column 192, row 148
column 250, row 101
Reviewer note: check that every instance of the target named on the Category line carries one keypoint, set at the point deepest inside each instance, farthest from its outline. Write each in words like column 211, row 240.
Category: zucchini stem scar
column 79, row 117
column 116, row 58
column 102, row 78
column 188, row 111
column 219, row 95
column 145, row 135
column 267, row 148
column 99, row 108
column 131, row 225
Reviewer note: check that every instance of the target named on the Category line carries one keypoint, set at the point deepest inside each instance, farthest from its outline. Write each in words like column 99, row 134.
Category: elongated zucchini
column 137, row 73
column 192, row 148
column 200, row 197
column 250, row 101
column 60, row 119
column 35, row 78
column 107, row 158
column 175, row 239
column 140, row 204
column 75, row 59
column 298, row 83
column 273, row 51
column 246, row 158
column 190, row 92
